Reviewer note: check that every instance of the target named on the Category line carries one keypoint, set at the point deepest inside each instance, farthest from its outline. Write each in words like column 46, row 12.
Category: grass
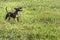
column 39, row 20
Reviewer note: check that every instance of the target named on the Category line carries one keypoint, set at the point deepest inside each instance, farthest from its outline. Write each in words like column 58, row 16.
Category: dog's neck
column 16, row 12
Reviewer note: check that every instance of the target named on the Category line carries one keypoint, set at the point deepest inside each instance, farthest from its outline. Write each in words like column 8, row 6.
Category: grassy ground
column 39, row 20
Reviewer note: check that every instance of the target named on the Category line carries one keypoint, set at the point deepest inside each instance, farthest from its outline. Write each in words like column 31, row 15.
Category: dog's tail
column 6, row 10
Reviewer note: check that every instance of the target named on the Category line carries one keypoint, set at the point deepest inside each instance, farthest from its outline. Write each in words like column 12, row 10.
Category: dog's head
column 18, row 9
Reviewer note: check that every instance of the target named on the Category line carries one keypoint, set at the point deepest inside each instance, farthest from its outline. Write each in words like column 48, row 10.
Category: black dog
column 13, row 14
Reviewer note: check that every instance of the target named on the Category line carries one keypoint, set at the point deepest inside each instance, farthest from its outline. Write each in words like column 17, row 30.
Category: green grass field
column 39, row 20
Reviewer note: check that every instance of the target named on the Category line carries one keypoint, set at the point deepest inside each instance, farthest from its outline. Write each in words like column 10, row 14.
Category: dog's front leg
column 18, row 19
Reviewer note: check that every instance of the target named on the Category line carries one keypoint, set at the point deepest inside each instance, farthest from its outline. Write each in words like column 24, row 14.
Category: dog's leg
column 9, row 18
column 6, row 17
column 18, row 19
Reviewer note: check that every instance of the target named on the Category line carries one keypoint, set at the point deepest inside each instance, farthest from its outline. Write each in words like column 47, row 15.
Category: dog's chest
column 16, row 15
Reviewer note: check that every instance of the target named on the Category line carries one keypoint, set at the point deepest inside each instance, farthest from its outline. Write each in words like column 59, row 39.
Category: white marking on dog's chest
column 16, row 15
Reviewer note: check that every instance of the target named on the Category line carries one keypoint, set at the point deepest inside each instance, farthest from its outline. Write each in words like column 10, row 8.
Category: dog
column 13, row 14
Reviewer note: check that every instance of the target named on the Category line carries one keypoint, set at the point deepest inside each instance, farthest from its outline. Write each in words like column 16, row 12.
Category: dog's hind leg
column 9, row 18
column 6, row 17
